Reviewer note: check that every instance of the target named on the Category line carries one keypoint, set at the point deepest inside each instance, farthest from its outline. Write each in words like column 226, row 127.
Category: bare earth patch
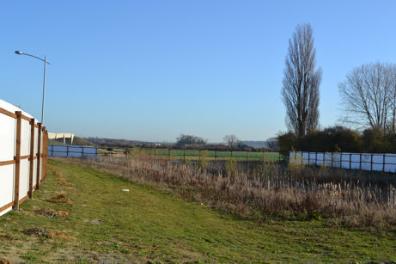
column 60, row 198
column 48, row 212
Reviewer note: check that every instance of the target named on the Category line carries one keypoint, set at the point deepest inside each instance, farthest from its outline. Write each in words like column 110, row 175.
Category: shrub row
column 337, row 139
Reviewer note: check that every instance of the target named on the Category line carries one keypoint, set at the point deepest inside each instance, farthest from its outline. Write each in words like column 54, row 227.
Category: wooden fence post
column 31, row 158
column 371, row 162
column 17, row 159
column 38, row 157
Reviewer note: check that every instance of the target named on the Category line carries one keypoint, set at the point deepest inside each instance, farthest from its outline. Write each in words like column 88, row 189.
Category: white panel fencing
column 20, row 156
column 359, row 161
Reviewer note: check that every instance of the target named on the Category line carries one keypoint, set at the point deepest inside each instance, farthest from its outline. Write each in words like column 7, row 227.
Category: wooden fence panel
column 19, row 162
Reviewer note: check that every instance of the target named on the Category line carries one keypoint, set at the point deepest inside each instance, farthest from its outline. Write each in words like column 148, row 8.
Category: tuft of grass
column 148, row 224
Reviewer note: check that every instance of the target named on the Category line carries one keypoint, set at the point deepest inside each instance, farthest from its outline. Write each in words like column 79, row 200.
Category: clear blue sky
column 151, row 70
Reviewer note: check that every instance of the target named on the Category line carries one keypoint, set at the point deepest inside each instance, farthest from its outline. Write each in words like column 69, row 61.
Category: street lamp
column 44, row 60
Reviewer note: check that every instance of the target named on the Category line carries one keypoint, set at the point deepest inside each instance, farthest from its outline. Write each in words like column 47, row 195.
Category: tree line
column 368, row 96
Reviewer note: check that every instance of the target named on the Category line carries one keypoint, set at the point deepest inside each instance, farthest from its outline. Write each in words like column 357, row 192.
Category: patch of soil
column 4, row 261
column 43, row 233
column 59, row 235
column 6, row 237
column 48, row 212
column 36, row 231
column 51, row 213
column 62, row 213
column 60, row 198
column 96, row 221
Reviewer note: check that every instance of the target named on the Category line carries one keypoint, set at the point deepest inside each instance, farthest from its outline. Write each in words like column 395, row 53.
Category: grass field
column 210, row 154
column 82, row 215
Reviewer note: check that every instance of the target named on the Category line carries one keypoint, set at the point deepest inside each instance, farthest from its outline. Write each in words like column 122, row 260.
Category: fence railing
column 71, row 151
column 380, row 162
column 23, row 156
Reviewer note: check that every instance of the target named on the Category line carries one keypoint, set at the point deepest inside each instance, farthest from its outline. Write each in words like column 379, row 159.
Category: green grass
column 107, row 224
column 211, row 154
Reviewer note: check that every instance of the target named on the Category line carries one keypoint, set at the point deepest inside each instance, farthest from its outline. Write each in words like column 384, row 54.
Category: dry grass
column 271, row 191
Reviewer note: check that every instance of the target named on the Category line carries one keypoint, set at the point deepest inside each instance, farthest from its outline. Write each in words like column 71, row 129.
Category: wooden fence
column 23, row 156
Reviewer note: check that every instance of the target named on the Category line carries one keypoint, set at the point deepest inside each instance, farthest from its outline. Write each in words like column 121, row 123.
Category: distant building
column 63, row 137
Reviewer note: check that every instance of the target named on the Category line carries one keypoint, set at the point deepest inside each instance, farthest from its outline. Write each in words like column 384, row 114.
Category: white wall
column 346, row 160
column 8, row 127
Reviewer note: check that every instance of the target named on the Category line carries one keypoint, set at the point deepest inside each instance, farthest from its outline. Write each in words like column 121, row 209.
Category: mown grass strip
column 82, row 215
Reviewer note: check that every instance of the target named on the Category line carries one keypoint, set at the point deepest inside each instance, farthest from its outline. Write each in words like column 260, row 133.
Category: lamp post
column 45, row 62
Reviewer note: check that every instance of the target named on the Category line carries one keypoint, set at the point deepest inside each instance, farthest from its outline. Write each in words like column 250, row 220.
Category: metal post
column 360, row 161
column 383, row 162
column 302, row 158
column 44, row 60
column 341, row 160
column 350, row 161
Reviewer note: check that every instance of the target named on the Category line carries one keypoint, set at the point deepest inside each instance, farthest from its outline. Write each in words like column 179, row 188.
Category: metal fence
column 77, row 151
column 71, row 151
column 380, row 162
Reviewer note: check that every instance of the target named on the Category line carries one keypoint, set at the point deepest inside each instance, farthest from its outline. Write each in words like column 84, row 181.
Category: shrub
column 287, row 142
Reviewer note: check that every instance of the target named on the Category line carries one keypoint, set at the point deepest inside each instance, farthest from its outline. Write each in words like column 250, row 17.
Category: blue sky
column 151, row 70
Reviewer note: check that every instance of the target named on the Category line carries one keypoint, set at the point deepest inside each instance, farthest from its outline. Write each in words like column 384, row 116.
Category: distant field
column 207, row 154
column 81, row 215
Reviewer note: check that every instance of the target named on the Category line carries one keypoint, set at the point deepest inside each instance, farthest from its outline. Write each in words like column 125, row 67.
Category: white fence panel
column 15, row 153
column 356, row 161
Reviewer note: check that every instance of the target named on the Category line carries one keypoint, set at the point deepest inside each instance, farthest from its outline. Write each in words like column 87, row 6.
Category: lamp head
column 18, row 52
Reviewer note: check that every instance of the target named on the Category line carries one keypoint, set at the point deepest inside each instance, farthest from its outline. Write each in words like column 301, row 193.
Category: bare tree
column 369, row 94
column 393, row 122
column 301, row 83
column 231, row 141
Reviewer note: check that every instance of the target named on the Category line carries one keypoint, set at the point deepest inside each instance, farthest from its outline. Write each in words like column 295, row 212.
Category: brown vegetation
column 272, row 190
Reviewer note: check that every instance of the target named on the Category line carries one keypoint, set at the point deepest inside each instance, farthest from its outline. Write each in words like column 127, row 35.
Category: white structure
column 63, row 136
column 345, row 160
column 22, row 165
